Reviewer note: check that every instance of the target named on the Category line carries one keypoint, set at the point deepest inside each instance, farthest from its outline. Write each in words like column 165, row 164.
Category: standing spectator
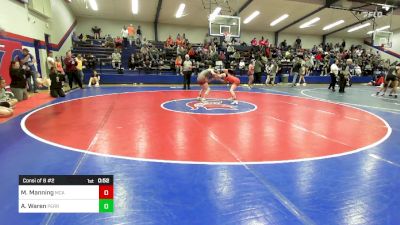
column 302, row 73
column 131, row 33
column 116, row 59
column 187, row 72
column 334, row 72
column 297, row 44
column 139, row 35
column 75, row 39
column 125, row 36
column 258, row 67
column 57, row 80
column 273, row 70
column 178, row 65
column 96, row 31
column 250, row 72
column 29, row 62
column 79, row 66
column 262, row 42
column 18, row 81
column 344, row 75
column 51, row 62
column 59, row 66
column 71, row 70
column 295, row 70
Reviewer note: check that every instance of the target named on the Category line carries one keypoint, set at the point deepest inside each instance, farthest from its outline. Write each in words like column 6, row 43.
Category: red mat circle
column 133, row 125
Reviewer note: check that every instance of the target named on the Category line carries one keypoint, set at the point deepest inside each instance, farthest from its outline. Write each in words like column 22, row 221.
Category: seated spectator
column 91, row 61
column 147, row 63
column 131, row 62
column 161, row 63
column 169, row 43
column 192, row 53
column 181, row 51
column 96, row 31
column 154, row 53
column 57, row 83
column 75, row 39
column 109, row 42
column 94, row 79
column 254, row 42
column 144, row 50
column 118, row 42
column 116, row 59
column 7, row 99
column 18, row 81
column 262, row 42
column 179, row 41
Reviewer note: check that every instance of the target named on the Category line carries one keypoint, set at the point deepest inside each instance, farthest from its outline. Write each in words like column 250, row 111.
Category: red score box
column 106, row 192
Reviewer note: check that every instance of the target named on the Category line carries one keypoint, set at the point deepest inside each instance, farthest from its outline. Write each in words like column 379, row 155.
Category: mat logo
column 210, row 105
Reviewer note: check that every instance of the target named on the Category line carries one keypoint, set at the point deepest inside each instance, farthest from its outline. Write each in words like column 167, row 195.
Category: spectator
column 258, row 67
column 96, row 31
column 57, row 83
column 109, row 42
column 51, row 62
column 94, row 79
column 283, row 45
column 147, row 63
column 131, row 62
column 295, row 70
column 118, row 42
column 6, row 98
column 334, row 72
column 178, row 65
column 169, row 43
column 116, row 59
column 71, row 70
column 187, row 72
column 139, row 34
column 254, row 42
column 79, row 66
column 125, row 36
column 131, row 33
column 18, row 81
column 273, row 70
column 58, row 65
column 297, row 44
column 28, row 61
column 262, row 42
column 75, row 39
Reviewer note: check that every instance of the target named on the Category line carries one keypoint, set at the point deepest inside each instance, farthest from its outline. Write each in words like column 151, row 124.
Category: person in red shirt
column 169, row 43
column 254, row 42
column 71, row 70
column 228, row 76
column 262, row 42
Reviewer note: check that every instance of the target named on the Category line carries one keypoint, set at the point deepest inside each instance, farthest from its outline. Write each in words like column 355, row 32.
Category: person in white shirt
column 50, row 62
column 334, row 72
column 187, row 72
column 125, row 36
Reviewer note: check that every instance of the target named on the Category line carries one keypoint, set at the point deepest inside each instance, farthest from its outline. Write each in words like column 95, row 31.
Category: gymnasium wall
column 25, row 26
column 195, row 34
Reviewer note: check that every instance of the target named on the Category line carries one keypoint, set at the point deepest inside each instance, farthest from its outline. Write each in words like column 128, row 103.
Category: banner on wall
column 9, row 50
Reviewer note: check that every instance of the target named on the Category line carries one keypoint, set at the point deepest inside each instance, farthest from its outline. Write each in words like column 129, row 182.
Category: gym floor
column 283, row 155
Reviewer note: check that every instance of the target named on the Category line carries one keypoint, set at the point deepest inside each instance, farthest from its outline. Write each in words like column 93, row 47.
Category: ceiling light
column 370, row 32
column 93, row 5
column 280, row 19
column 251, row 17
column 383, row 28
column 309, row 23
column 179, row 13
column 215, row 13
column 327, row 27
column 135, row 6
column 358, row 27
